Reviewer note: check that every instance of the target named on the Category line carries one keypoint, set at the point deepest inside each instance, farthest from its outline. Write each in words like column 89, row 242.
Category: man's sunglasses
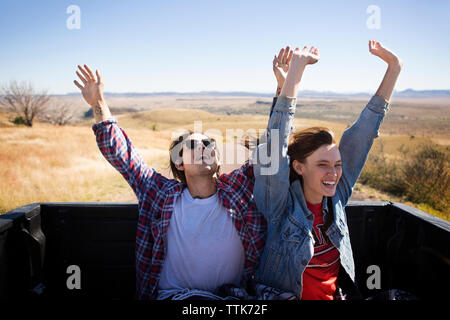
column 192, row 144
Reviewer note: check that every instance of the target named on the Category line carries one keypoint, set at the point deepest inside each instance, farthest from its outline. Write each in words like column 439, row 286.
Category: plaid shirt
column 156, row 199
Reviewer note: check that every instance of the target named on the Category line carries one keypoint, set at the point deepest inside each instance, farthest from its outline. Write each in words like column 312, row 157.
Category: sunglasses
column 192, row 144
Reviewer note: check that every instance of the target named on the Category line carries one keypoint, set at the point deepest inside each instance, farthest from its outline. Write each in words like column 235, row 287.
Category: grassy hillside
column 51, row 163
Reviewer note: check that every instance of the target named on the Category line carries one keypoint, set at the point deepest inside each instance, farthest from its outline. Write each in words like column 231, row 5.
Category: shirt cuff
column 285, row 104
column 97, row 125
column 378, row 104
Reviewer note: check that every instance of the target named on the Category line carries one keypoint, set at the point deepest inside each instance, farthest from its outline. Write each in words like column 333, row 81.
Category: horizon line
column 254, row 93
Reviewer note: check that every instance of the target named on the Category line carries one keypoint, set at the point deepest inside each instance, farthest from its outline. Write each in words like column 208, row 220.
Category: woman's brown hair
column 303, row 143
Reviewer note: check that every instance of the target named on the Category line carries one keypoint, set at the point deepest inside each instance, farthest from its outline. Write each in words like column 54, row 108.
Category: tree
column 60, row 113
column 22, row 99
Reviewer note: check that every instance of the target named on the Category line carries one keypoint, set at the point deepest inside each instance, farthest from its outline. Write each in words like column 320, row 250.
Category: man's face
column 199, row 155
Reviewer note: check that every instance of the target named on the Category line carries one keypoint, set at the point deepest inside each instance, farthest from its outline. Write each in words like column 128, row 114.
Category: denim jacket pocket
column 293, row 235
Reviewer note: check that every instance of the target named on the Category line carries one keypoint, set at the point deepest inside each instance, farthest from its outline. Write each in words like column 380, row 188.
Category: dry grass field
column 47, row 163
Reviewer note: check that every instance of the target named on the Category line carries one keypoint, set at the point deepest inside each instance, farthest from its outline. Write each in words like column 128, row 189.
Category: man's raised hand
column 93, row 87
column 281, row 65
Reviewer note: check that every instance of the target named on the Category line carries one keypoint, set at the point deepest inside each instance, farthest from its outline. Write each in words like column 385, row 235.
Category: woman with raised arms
column 303, row 196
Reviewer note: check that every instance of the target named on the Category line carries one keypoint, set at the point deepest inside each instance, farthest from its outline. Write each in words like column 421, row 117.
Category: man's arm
column 357, row 140
column 280, row 65
column 113, row 142
column 93, row 92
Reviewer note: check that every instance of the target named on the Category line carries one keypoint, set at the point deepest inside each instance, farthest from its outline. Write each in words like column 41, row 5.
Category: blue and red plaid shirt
column 156, row 196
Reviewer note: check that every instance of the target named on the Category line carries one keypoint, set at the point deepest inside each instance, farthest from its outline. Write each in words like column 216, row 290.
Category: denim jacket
column 290, row 243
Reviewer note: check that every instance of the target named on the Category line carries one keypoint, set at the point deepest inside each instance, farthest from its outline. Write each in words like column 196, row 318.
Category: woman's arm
column 357, row 140
column 394, row 67
column 271, row 162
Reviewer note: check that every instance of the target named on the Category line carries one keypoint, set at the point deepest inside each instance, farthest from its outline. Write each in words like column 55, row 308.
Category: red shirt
column 319, row 278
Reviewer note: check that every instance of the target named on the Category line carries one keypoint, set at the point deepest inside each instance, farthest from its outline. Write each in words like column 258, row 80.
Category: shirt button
column 310, row 217
column 304, row 262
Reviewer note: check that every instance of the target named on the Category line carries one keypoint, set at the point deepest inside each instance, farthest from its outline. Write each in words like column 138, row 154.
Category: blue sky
column 171, row 45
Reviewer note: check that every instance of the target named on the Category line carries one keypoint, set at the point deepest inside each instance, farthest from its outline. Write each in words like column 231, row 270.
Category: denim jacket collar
column 297, row 191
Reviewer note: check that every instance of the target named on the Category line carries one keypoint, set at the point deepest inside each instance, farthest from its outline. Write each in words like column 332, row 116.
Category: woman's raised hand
column 377, row 49
column 93, row 88
column 306, row 57
column 300, row 59
column 394, row 68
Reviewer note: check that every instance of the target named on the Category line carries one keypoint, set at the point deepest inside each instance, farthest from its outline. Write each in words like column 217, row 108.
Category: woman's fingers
column 81, row 77
column 78, row 85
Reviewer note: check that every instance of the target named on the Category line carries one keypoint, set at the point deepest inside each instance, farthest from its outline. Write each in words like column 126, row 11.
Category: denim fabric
column 290, row 244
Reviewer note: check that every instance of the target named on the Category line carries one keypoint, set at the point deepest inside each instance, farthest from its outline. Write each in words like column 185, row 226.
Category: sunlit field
column 47, row 163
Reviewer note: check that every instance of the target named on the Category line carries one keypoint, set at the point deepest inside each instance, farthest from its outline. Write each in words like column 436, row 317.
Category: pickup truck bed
column 39, row 241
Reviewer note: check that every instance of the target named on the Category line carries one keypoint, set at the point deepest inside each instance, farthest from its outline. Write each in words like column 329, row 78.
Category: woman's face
column 321, row 173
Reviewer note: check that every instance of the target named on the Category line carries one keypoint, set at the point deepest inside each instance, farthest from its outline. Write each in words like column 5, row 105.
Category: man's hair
column 304, row 143
column 177, row 145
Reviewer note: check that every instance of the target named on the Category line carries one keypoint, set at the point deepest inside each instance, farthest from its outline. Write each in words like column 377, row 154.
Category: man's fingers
column 290, row 57
column 85, row 74
column 99, row 77
column 280, row 55
column 78, row 85
column 81, row 77
column 91, row 74
column 286, row 54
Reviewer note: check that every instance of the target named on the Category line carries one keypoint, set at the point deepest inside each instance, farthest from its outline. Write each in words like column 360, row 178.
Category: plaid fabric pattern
column 156, row 199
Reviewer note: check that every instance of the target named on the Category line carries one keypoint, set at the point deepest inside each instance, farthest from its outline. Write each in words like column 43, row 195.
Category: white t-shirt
column 204, row 250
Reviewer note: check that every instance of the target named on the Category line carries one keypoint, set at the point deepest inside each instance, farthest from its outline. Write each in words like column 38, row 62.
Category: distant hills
column 408, row 93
